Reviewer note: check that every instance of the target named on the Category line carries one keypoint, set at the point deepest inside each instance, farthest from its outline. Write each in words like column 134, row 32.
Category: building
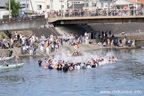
column 136, row 3
column 75, row 4
column 38, row 6
column 71, row 2
column 59, row 5
column 101, row 4
column 127, row 3
column 3, row 11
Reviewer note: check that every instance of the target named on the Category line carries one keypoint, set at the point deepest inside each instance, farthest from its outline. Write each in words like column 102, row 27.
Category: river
column 123, row 78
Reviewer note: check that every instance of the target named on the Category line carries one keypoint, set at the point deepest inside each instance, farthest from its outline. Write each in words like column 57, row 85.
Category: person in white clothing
column 133, row 43
column 77, row 67
column 47, row 50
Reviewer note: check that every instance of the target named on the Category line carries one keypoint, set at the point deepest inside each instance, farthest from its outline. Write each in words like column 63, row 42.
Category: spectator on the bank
column 41, row 49
column 102, row 34
column 0, row 44
column 52, row 48
column 108, row 41
column 110, row 33
column 3, row 43
column 124, row 42
column 34, row 50
column 116, row 42
column 133, row 43
column 113, row 36
column 10, row 52
column 129, row 43
column 23, row 50
column 104, row 44
column 112, row 42
column 27, row 49
column 47, row 50
column 30, row 50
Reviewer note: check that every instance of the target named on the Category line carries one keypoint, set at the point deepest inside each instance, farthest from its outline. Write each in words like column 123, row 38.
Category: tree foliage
column 15, row 6
column 3, row 35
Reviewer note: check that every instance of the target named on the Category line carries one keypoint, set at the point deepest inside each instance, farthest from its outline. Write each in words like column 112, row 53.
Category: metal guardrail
column 13, row 20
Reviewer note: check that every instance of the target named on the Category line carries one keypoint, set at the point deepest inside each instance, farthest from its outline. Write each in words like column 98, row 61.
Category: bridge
column 95, row 19
column 101, row 16
column 77, row 17
column 22, row 23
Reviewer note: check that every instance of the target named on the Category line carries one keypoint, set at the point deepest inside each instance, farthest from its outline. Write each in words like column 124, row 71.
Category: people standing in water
column 66, row 68
column 61, row 65
column 71, row 67
column 45, row 65
column 40, row 62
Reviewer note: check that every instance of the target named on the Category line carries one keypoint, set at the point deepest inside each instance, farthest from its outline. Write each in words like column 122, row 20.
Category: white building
column 3, row 11
column 34, row 5
column 71, row 2
column 128, row 3
column 39, row 6
column 59, row 5
column 101, row 4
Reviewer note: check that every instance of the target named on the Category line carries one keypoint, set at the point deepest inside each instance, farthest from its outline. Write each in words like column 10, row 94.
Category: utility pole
column 86, row 6
column 61, row 7
column 95, row 6
column 51, row 5
column 135, row 3
column 26, row 6
column 32, row 6
column 73, row 5
column 9, row 9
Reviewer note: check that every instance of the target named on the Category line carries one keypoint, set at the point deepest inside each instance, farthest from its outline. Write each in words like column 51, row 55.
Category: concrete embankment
column 118, row 28
column 6, row 51
column 82, row 47
column 89, row 47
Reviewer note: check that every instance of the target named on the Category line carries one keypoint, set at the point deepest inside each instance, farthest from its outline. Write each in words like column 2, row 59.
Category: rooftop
column 139, row 1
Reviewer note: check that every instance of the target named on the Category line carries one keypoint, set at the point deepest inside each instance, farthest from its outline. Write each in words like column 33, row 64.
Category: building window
column 62, row 6
column 39, row 7
column 48, row 6
column 102, row 5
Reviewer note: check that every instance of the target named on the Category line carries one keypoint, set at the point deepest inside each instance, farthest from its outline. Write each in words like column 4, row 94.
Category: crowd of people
column 98, row 12
column 30, row 44
column 45, row 45
column 117, row 42
column 50, row 63
column 108, row 39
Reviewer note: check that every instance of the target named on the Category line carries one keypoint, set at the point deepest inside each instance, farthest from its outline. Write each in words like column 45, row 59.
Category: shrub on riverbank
column 3, row 35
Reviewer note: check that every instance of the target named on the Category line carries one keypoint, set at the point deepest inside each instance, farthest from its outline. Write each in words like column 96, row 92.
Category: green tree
column 15, row 6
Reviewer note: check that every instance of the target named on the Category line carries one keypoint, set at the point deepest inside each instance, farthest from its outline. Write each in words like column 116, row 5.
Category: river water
column 123, row 78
